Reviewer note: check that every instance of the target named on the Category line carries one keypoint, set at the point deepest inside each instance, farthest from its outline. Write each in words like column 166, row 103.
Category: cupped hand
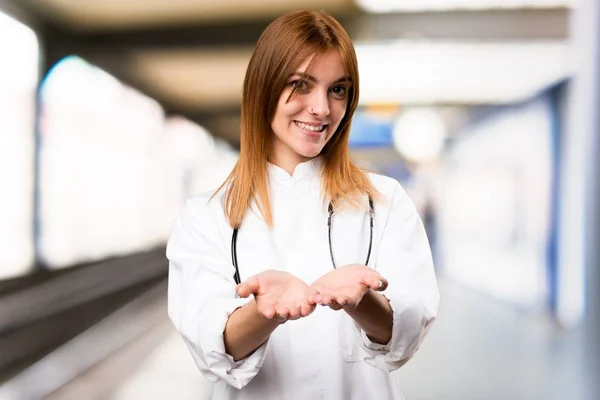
column 278, row 295
column 345, row 287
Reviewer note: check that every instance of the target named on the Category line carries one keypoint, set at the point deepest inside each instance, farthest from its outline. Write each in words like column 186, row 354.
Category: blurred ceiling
column 194, row 79
column 102, row 15
column 191, row 55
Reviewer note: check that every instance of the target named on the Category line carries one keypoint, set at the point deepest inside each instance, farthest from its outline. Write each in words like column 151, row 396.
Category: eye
column 339, row 91
column 299, row 84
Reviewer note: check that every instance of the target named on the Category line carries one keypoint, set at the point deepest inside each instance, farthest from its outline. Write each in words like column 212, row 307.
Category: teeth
column 310, row 127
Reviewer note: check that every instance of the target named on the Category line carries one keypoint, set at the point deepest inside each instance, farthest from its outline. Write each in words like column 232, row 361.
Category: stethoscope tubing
column 234, row 260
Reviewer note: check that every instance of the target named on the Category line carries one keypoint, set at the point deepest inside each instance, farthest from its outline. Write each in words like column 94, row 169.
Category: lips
column 311, row 128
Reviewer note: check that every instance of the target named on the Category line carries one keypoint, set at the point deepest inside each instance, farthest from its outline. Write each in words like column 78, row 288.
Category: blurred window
column 18, row 82
column 494, row 204
column 100, row 166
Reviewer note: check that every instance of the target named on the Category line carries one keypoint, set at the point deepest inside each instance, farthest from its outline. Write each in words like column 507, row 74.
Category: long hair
column 282, row 47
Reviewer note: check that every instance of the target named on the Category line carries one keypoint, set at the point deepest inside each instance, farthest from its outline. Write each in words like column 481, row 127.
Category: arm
column 202, row 295
column 375, row 316
column 226, row 335
column 246, row 330
column 353, row 288
column 385, row 330
column 278, row 296
column 404, row 259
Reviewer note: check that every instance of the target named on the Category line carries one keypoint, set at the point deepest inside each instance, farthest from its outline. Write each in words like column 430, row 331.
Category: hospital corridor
column 113, row 114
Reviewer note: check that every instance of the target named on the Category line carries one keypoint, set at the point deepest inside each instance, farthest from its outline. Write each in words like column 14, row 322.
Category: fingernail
column 380, row 284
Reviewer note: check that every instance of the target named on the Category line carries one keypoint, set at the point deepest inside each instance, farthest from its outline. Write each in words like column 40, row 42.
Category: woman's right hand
column 278, row 295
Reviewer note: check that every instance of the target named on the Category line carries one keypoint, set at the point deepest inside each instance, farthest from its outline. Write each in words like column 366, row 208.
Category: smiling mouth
column 311, row 128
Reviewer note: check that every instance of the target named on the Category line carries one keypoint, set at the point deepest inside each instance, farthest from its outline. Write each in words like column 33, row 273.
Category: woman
column 335, row 293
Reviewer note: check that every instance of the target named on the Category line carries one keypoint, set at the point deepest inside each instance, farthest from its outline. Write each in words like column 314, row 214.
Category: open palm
column 277, row 294
column 345, row 287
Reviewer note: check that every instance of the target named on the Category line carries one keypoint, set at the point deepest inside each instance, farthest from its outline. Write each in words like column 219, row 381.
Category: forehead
column 327, row 67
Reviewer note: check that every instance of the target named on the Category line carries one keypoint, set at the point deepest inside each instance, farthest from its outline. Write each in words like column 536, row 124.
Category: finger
column 243, row 290
column 306, row 309
column 378, row 283
column 267, row 312
column 294, row 313
column 317, row 299
column 325, row 299
column 341, row 300
column 384, row 284
column 282, row 311
column 248, row 287
column 311, row 294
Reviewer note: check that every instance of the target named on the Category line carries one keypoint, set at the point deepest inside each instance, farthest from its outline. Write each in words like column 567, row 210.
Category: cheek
column 286, row 112
column 294, row 108
column 339, row 111
column 279, row 120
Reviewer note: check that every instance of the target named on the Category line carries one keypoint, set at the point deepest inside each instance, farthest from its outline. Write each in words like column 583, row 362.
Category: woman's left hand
column 345, row 287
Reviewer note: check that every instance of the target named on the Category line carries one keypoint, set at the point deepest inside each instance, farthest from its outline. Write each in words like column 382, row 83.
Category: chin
column 309, row 151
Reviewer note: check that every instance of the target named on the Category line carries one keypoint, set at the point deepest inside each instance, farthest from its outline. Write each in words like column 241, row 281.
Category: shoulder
column 383, row 184
column 393, row 195
column 388, row 187
column 199, row 230
column 210, row 202
column 206, row 210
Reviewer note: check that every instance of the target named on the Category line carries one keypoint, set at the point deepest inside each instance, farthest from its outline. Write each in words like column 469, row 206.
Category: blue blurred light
column 368, row 131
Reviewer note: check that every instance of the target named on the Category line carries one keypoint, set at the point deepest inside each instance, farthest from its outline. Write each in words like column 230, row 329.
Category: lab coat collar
column 306, row 172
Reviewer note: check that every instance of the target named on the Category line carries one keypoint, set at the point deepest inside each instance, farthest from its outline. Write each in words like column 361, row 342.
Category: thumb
column 245, row 289
column 379, row 283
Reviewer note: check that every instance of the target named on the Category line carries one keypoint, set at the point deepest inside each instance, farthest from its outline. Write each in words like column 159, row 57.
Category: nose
column 319, row 104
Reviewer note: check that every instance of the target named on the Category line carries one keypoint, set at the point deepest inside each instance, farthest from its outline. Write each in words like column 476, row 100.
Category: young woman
column 336, row 282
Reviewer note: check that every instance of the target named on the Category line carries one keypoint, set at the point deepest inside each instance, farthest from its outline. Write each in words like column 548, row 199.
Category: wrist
column 366, row 302
column 374, row 315
column 374, row 300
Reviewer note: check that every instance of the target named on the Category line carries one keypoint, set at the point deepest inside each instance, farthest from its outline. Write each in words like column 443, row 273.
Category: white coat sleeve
column 202, row 296
column 404, row 259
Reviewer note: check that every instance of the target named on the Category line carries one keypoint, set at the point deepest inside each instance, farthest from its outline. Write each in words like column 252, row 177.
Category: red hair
column 282, row 47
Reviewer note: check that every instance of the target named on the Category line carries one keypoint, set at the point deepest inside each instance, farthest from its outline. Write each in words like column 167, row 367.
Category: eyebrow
column 313, row 79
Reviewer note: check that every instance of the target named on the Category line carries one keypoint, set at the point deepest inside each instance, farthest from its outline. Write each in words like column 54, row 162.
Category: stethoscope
column 236, row 276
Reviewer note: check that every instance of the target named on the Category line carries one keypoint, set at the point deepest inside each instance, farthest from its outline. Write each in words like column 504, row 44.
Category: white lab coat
column 325, row 355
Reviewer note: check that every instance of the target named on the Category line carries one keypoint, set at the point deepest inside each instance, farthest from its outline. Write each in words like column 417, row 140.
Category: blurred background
column 112, row 113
